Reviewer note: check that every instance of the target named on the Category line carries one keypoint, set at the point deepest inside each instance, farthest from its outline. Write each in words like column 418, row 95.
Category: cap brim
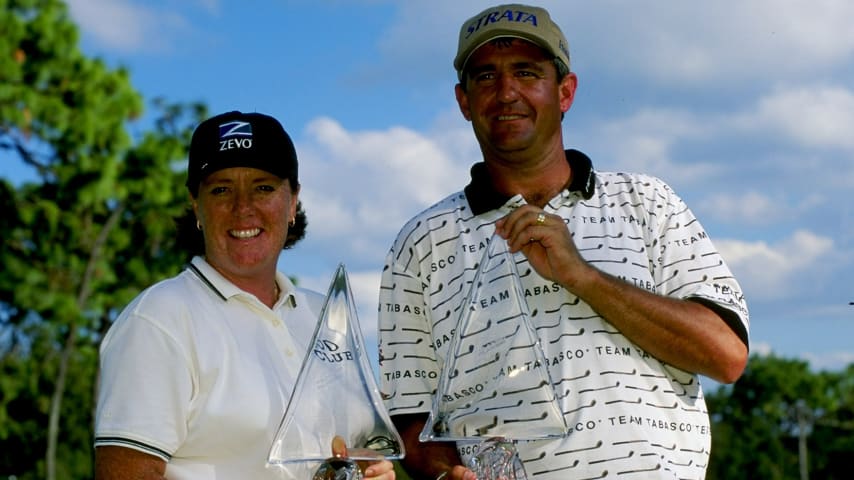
column 497, row 34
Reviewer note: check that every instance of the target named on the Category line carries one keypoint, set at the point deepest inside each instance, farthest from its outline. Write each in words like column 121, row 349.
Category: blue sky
column 745, row 107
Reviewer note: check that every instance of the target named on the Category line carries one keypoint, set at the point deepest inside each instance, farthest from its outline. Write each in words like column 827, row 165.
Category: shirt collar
column 224, row 289
column 483, row 197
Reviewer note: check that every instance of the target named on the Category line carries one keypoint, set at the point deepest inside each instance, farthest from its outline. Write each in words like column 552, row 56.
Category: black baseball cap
column 237, row 139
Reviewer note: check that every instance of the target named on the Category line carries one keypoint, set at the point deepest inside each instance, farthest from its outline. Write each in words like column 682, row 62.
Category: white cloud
column 832, row 360
column 803, row 116
column 674, row 43
column 761, row 348
column 359, row 187
column 765, row 270
column 755, row 208
column 671, row 42
column 400, row 158
column 643, row 142
column 812, row 116
column 128, row 26
column 818, row 361
column 362, row 186
column 750, row 206
column 790, row 136
column 719, row 43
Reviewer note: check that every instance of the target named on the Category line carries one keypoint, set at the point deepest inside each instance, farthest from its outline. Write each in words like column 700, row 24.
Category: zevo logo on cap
column 235, row 134
column 495, row 17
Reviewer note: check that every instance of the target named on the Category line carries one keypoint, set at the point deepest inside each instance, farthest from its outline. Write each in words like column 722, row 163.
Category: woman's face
column 244, row 214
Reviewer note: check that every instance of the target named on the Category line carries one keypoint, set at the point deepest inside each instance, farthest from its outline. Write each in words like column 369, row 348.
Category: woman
column 198, row 369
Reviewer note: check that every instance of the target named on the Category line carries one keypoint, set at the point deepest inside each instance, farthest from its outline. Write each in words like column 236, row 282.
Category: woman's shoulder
column 166, row 299
column 176, row 289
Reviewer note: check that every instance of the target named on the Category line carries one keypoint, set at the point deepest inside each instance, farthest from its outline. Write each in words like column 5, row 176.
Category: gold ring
column 541, row 218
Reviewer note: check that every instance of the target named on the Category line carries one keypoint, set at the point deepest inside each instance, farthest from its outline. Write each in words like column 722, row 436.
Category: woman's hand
column 373, row 470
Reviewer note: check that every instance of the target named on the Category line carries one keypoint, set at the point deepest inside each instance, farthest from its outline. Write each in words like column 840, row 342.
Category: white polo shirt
column 629, row 414
column 198, row 372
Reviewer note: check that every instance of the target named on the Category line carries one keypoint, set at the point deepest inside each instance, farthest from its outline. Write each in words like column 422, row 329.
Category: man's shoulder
column 615, row 176
column 609, row 182
column 454, row 204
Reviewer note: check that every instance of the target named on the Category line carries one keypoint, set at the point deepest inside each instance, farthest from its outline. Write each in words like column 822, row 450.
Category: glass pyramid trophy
column 336, row 394
column 495, row 386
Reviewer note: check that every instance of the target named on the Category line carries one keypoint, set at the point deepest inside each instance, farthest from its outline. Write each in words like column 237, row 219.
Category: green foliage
column 758, row 421
column 95, row 228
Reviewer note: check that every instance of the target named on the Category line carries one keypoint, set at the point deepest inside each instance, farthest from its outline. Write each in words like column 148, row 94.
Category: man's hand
column 546, row 242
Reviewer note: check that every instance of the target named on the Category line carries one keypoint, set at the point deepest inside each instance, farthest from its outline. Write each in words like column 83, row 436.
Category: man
column 629, row 298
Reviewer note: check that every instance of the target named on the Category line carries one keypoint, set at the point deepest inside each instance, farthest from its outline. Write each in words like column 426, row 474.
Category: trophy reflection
column 336, row 395
column 495, row 386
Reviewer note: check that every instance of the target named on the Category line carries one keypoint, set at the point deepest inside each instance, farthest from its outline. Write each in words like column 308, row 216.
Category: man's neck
column 538, row 180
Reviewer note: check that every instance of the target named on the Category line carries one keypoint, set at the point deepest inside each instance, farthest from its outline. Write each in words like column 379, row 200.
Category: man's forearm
column 683, row 333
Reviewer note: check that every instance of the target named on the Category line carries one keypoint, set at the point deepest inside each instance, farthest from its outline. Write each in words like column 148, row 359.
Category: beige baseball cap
column 513, row 20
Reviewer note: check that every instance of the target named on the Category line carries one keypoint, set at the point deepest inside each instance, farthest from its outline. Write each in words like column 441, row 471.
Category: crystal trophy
column 336, row 394
column 495, row 387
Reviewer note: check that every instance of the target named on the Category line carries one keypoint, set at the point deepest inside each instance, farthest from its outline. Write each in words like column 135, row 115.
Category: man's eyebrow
column 482, row 68
column 529, row 65
column 520, row 65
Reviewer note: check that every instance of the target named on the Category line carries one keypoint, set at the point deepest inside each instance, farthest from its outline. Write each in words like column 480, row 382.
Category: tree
column 831, row 441
column 781, row 420
column 95, row 228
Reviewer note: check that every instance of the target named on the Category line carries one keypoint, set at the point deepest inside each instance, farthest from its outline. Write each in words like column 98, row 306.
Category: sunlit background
column 745, row 107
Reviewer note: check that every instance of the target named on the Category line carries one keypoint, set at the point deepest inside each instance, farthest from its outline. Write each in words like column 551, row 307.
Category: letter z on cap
column 237, row 139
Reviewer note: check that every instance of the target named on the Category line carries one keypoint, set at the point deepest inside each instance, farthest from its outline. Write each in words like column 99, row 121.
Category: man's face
column 513, row 97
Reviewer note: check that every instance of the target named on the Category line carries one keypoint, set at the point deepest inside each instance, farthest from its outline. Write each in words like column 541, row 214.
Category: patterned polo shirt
column 628, row 414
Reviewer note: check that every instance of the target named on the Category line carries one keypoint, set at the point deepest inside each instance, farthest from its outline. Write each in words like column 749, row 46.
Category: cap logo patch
column 495, row 17
column 235, row 134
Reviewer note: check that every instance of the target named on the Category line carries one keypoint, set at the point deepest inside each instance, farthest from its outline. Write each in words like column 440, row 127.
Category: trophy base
column 497, row 459
column 335, row 468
